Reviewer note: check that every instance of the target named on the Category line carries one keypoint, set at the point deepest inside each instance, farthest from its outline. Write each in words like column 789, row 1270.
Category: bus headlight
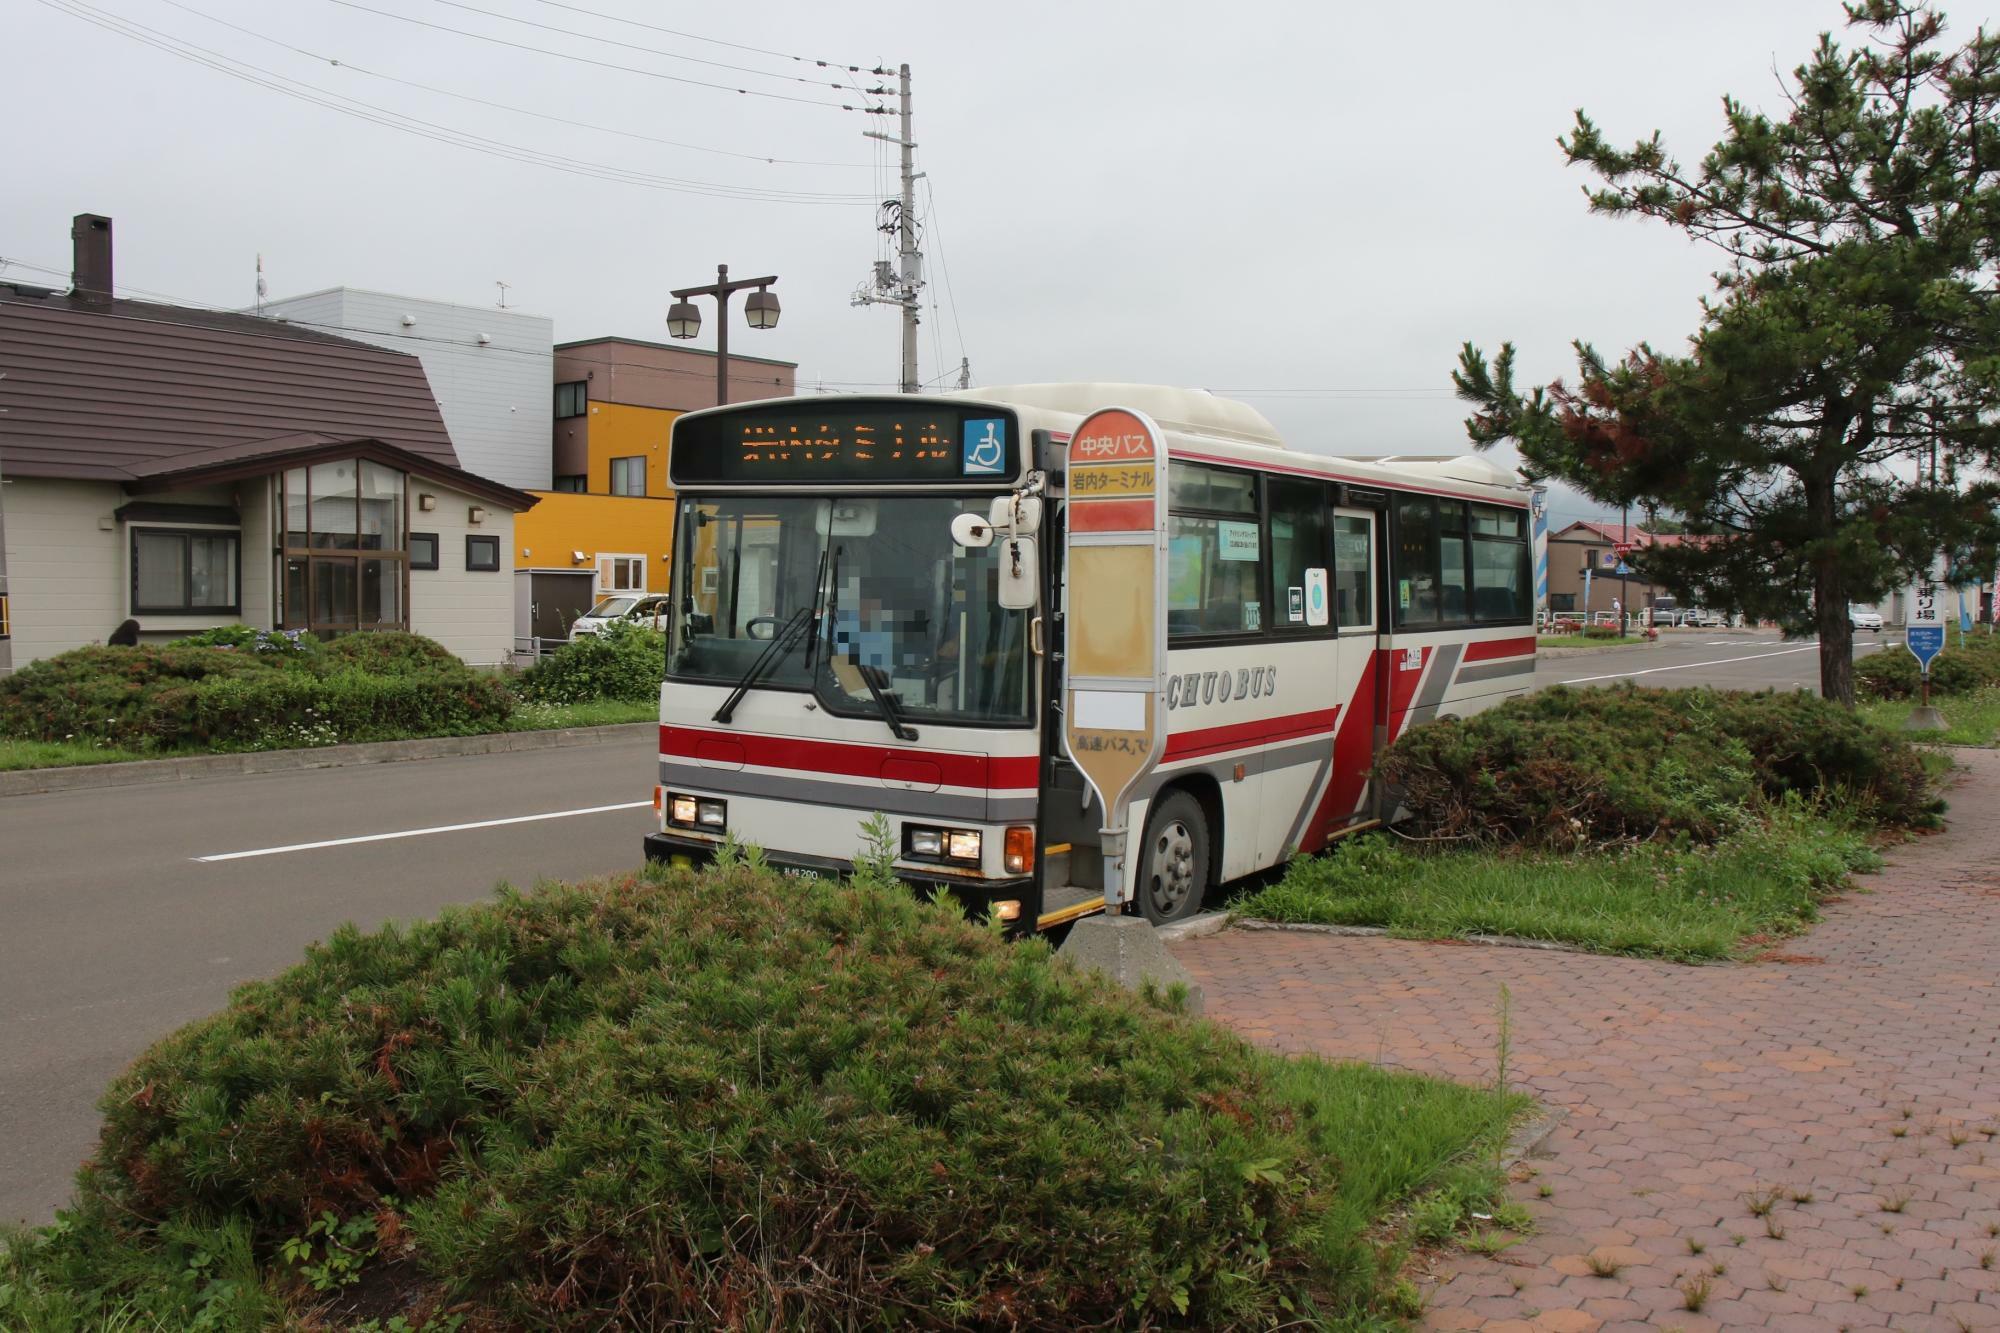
column 704, row 812
column 956, row 845
column 680, row 810
column 712, row 814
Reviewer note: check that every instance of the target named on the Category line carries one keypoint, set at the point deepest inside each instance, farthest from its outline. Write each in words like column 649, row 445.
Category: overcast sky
column 1311, row 205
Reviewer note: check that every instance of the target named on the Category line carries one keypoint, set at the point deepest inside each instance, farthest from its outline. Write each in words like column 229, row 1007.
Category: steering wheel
column 768, row 624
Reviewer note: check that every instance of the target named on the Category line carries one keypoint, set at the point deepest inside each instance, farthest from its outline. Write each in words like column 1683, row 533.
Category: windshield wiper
column 892, row 711
column 780, row 645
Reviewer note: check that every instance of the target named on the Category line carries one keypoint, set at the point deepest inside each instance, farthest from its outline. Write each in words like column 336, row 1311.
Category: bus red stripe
column 1241, row 735
column 983, row 772
column 1111, row 515
column 1491, row 648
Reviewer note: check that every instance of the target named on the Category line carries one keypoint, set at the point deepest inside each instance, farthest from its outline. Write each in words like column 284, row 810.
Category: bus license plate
column 800, row 872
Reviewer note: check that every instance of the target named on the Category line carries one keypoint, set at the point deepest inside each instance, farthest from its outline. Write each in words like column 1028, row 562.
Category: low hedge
column 1962, row 668
column 624, row 661
column 732, row 1100
column 235, row 695
column 1566, row 767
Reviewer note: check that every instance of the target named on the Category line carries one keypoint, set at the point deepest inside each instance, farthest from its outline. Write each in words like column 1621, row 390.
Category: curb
column 1497, row 941
column 78, row 777
column 1530, row 1138
column 1194, row 928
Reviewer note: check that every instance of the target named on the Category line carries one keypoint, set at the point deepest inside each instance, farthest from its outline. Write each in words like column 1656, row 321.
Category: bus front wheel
column 1173, row 860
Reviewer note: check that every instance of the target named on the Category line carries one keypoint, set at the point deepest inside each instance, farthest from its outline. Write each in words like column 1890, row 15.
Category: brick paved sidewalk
column 1857, row 1075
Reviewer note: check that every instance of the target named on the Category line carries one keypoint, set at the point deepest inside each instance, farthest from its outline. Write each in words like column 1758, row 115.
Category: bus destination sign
column 892, row 442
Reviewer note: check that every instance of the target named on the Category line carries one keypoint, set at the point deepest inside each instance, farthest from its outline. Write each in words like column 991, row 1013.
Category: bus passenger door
column 1362, row 683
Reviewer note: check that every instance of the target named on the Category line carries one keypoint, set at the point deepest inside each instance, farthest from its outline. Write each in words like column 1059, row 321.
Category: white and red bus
column 835, row 653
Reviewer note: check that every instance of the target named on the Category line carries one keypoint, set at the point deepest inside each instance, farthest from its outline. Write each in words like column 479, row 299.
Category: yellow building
column 608, row 525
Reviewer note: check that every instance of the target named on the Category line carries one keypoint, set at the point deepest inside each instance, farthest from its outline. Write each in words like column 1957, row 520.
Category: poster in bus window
column 1236, row 541
column 1316, row 599
column 1295, row 604
column 1184, row 574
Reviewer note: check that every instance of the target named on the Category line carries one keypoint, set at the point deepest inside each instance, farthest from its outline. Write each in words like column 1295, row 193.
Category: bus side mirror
column 971, row 532
column 1019, row 573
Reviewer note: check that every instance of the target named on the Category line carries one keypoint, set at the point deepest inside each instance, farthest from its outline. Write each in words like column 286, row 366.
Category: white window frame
column 613, row 481
column 607, row 572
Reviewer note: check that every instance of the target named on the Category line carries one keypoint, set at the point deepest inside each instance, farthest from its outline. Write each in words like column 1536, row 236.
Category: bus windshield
column 888, row 593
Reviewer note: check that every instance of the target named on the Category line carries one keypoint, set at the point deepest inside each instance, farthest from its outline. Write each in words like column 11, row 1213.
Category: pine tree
column 1834, row 424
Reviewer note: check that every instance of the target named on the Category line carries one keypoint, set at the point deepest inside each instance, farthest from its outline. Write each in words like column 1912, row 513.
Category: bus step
column 1064, row 904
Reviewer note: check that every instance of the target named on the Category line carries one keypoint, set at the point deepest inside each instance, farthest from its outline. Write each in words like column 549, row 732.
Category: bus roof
column 1196, row 411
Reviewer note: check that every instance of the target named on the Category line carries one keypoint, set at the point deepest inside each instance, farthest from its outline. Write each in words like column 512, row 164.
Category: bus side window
column 1353, row 572
column 1298, row 544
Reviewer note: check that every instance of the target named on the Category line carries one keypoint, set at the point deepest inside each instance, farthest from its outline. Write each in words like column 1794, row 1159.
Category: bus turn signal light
column 1020, row 849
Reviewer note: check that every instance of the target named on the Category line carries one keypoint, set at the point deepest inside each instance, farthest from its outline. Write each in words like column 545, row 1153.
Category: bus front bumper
column 978, row 897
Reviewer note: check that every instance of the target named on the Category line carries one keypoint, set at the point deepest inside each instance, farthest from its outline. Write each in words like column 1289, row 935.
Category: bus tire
column 1173, row 859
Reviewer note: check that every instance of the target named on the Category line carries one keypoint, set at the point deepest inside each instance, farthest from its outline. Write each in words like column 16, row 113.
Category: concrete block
column 1129, row 951
column 1926, row 719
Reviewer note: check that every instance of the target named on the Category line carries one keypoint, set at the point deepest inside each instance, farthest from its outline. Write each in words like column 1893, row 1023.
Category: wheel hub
column 1171, row 874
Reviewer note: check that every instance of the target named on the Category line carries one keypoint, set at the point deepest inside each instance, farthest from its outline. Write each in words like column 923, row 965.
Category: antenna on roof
column 503, row 293
column 261, row 288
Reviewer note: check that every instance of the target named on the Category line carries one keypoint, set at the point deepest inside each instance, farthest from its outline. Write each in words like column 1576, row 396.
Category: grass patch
column 1688, row 903
column 1974, row 718
column 731, row 1100
column 591, row 713
column 16, row 755
column 1579, row 641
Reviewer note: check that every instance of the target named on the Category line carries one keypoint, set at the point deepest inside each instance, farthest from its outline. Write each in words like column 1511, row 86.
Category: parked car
column 638, row 608
column 1703, row 619
column 1860, row 618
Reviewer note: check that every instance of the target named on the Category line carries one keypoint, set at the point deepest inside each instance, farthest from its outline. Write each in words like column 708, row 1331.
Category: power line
column 428, row 129
column 930, row 198
column 880, row 67
column 350, row 66
column 601, row 64
column 656, row 51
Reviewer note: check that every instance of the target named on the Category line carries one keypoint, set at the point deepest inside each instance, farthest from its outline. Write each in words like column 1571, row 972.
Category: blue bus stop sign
column 1925, row 641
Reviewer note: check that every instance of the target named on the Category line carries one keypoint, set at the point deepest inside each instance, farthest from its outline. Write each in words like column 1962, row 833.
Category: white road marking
column 1689, row 666
column 420, row 832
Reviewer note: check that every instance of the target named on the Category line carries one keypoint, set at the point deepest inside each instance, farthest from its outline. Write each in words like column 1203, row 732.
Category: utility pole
column 1624, row 564
column 904, row 287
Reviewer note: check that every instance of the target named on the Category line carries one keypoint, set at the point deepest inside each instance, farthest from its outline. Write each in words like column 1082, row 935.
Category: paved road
column 1734, row 660
column 112, row 933
column 1849, row 1075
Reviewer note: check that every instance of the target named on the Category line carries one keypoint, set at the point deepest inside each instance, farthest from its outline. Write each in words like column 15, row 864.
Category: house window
column 423, row 550
column 345, row 547
column 571, row 484
column 621, row 573
column 185, row 572
column 572, row 399
column 482, row 554
column 628, row 475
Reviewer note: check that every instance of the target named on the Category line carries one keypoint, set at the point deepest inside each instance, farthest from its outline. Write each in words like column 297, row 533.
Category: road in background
column 1728, row 660
column 115, row 933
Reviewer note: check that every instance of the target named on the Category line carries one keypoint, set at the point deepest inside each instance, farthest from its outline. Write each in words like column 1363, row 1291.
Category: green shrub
column 291, row 645
column 391, row 653
column 1565, row 767
column 220, row 697
column 735, row 1100
column 624, row 661
column 1962, row 668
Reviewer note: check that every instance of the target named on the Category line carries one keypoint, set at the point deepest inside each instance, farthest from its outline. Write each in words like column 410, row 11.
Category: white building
column 490, row 369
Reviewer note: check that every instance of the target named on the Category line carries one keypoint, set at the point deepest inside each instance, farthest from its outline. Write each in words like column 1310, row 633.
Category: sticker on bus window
column 1295, row 604
column 1253, row 615
column 1316, row 600
column 1236, row 541
column 1403, row 594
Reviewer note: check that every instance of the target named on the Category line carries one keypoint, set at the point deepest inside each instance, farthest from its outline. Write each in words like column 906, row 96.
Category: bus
column 842, row 648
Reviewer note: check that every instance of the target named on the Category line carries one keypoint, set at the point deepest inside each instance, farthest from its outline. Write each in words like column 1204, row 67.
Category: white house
column 187, row 468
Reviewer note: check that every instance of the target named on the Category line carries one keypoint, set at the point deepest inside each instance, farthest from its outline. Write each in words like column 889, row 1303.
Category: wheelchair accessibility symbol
column 985, row 447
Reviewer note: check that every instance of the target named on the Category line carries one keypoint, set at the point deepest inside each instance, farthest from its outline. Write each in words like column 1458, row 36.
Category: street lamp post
column 684, row 320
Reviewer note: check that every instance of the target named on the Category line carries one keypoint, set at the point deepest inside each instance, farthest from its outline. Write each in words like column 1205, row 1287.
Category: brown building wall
column 1567, row 558
column 645, row 374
